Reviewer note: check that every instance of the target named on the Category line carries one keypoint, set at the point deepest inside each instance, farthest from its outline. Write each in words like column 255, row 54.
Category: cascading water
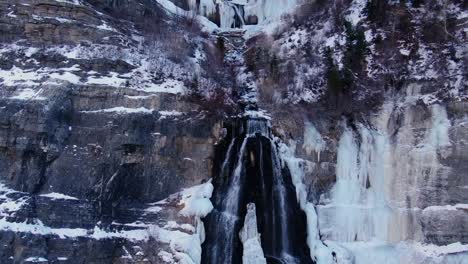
column 251, row 172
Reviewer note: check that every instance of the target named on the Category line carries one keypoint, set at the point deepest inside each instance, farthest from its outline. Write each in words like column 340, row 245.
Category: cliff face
column 98, row 122
column 107, row 107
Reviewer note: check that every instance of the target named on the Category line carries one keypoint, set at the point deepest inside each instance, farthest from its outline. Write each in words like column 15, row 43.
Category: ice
column 358, row 208
column 439, row 135
column 186, row 248
column 318, row 251
column 313, row 141
column 253, row 252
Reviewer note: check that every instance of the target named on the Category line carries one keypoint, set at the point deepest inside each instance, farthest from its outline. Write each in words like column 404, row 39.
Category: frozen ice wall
column 388, row 171
column 358, row 209
column 391, row 182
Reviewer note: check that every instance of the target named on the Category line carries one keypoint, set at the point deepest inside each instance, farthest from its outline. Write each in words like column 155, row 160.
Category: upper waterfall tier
column 237, row 13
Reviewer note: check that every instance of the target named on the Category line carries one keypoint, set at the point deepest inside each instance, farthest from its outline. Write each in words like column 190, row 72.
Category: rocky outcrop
column 94, row 130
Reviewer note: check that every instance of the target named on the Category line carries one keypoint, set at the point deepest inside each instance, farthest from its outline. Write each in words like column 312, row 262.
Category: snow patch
column 36, row 259
column 28, row 94
column 196, row 200
column 58, row 196
column 121, row 110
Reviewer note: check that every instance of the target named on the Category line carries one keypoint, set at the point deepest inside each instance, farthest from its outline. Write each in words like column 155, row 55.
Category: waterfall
column 251, row 172
column 237, row 13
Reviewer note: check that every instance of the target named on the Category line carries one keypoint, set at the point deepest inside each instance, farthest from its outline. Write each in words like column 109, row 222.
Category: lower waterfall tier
column 251, row 172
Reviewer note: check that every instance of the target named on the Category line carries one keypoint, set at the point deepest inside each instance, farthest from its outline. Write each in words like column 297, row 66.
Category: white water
column 280, row 192
column 232, row 205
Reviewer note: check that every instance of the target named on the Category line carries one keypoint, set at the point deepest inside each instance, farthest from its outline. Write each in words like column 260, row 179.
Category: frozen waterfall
column 237, row 13
column 385, row 172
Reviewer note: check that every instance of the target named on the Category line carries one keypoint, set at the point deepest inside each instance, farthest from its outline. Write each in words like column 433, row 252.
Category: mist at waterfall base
column 249, row 171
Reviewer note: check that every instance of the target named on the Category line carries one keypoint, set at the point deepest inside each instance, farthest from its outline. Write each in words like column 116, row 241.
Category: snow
column 140, row 78
column 196, row 200
column 184, row 247
column 121, row 110
column 36, row 259
column 446, row 207
column 405, row 52
column 74, row 2
column 113, row 79
column 168, row 86
column 154, row 209
column 106, row 27
column 11, row 14
column 28, row 94
column 65, row 76
column 58, row 196
column 432, row 250
column 39, row 228
column 166, row 256
column 166, row 114
column 355, row 12
column 9, row 205
column 185, row 227
column 16, row 76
